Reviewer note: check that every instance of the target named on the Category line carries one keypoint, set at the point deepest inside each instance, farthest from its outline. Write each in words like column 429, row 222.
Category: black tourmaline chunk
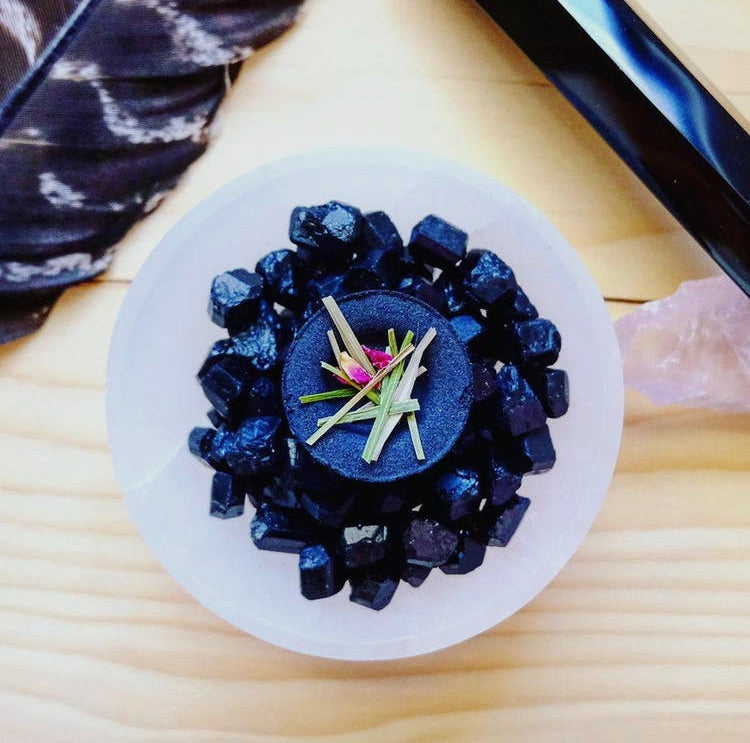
column 474, row 445
column 438, row 243
column 533, row 452
column 262, row 397
column 551, row 387
column 227, row 496
column 458, row 493
column 224, row 383
column 521, row 308
column 284, row 278
column 363, row 545
column 199, row 443
column 318, row 574
column 500, row 524
column 487, row 279
column 259, row 344
column 327, row 234
column 279, row 530
column 221, row 444
column 449, row 283
column 470, row 330
column 428, row 542
column 414, row 575
column 483, row 380
column 254, row 449
column 331, row 285
column 376, row 269
column 503, row 482
column 529, row 342
column 279, row 493
column 421, row 288
column 234, row 297
column 219, row 350
column 374, row 589
column 517, row 408
column 215, row 418
column 379, row 232
column 330, row 509
column 469, row 555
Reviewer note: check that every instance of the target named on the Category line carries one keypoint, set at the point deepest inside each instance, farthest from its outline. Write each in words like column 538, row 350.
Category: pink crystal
column 380, row 359
column 692, row 348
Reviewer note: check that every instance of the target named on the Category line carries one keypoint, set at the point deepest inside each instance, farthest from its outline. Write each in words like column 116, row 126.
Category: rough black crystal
column 318, row 573
column 437, row 242
column 280, row 530
column 199, row 443
column 259, row 344
column 363, row 545
column 487, row 279
column 470, row 330
column 234, row 297
column 284, row 277
column 533, row 452
column 502, row 480
column 327, row 508
column 428, row 542
column 373, row 589
column 521, row 307
column 414, row 575
column 254, row 449
column 421, row 288
column 469, row 554
column 227, row 496
column 551, row 387
column 483, row 385
column 500, row 524
column 458, row 494
column 379, row 232
column 450, row 284
column 376, row 269
column 517, row 408
column 326, row 234
column 529, row 342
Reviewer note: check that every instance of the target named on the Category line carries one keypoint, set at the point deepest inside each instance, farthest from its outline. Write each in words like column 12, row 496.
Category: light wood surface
column 646, row 633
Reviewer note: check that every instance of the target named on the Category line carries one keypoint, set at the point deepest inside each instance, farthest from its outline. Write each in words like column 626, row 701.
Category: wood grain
column 646, row 633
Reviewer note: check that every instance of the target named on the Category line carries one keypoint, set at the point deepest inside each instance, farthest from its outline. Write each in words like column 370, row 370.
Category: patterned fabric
column 98, row 125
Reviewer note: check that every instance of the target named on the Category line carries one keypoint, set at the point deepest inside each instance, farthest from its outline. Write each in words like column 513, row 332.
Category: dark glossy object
column 279, row 530
column 428, row 542
column 374, row 589
column 227, row 496
column 469, row 555
column 520, row 307
column 327, row 234
column 501, row 524
column 503, row 482
column 379, row 232
column 278, row 492
column 552, row 389
column 450, row 285
column 376, row 269
column 284, row 279
column 330, row 509
column 422, row 288
column 517, row 408
column 414, row 575
column 483, row 386
column 261, row 397
column 199, row 443
column 663, row 122
column 534, row 452
column 221, row 444
column 487, row 279
column 363, row 545
column 470, row 330
column 215, row 418
column 259, row 344
column 234, row 297
column 458, row 493
column 302, row 472
column 255, row 448
column 529, row 342
column 437, row 242
column 331, row 285
column 318, row 574
column 224, row 383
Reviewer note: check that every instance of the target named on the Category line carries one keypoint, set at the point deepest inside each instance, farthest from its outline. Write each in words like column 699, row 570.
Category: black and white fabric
column 104, row 103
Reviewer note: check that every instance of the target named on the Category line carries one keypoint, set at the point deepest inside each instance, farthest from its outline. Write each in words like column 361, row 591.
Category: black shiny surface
column 666, row 125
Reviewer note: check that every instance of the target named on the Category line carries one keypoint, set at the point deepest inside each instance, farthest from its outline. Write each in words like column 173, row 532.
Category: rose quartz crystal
column 692, row 348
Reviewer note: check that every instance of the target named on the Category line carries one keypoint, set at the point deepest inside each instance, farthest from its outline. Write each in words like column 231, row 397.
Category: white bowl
column 153, row 400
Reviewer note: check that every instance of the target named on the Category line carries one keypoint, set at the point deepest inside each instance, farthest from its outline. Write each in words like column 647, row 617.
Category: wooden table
column 646, row 633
